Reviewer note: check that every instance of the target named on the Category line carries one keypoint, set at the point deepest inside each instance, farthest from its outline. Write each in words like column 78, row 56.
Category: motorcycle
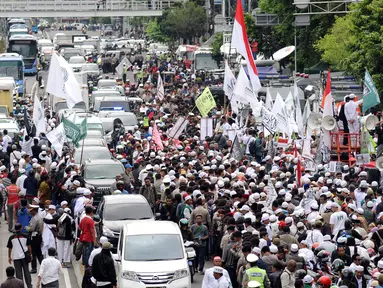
column 189, row 247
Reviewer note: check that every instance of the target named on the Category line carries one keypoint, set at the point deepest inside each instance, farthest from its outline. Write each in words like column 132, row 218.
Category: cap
column 380, row 264
column 107, row 245
column 188, row 198
column 273, row 249
column 288, row 220
column 128, row 166
column 370, row 204
column 359, row 268
column 360, row 211
column 103, row 239
column 294, row 248
column 245, row 208
column 217, row 269
column 251, row 258
column 308, row 279
column 33, row 207
column 37, row 200
column 87, row 192
column 64, row 203
column 76, row 182
column 256, row 250
column 52, row 207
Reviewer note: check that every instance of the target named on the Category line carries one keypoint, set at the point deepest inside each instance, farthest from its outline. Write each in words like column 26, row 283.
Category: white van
column 152, row 254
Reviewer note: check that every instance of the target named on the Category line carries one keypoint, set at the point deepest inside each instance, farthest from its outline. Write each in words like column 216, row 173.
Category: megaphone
column 369, row 121
column 379, row 162
column 314, row 121
column 328, row 122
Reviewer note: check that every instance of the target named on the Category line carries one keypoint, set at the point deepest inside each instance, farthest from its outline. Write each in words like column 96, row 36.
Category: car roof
column 147, row 227
column 103, row 162
column 94, row 142
column 130, row 198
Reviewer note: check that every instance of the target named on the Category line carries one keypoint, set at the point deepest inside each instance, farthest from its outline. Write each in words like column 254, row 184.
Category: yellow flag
column 205, row 102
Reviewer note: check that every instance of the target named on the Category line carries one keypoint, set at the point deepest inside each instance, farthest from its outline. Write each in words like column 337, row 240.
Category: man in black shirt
column 103, row 269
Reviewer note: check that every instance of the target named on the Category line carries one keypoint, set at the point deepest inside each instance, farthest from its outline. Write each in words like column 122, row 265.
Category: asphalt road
column 67, row 278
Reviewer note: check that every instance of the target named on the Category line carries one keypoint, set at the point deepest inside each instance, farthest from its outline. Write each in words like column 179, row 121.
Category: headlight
column 181, row 274
column 129, row 275
column 107, row 232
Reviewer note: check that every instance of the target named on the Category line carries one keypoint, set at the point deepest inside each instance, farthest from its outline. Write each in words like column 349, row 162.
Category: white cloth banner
column 120, row 67
column 160, row 88
column 177, row 129
column 57, row 138
column 206, row 128
column 269, row 121
column 38, row 116
column 298, row 111
column 61, row 81
column 279, row 111
column 229, row 82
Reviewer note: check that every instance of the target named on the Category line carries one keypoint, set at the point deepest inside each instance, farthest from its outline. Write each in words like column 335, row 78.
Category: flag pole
column 83, row 140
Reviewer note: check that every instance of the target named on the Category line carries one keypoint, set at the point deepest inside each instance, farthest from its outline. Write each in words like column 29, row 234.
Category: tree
column 333, row 46
column 153, row 31
column 186, row 21
column 216, row 45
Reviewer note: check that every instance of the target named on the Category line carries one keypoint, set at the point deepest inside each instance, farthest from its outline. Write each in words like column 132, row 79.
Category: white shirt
column 338, row 219
column 262, row 243
column 50, row 270
column 309, row 255
column 20, row 183
column 6, row 139
column 312, row 216
column 222, row 282
column 359, row 197
column 93, row 254
column 314, row 236
column 210, row 282
column 350, row 110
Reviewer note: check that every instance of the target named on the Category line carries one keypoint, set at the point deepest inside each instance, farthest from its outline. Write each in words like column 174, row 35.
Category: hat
column 273, row 249
column 37, row 200
column 251, row 258
column 288, row 220
column 87, row 192
column 31, row 207
column 103, row 239
column 256, row 250
column 334, row 205
column 217, row 269
column 359, row 268
column 52, row 207
column 265, row 217
column 300, row 225
column 53, row 165
column 380, row 215
column 374, row 184
column 314, row 206
column 128, row 166
column 2, row 168
column 360, row 211
column 107, row 245
column 64, row 203
column 380, row 264
column 188, row 198
column 294, row 248
column 308, row 279
column 370, row 204
column 273, row 218
column 245, row 208
column 76, row 182
column 342, row 240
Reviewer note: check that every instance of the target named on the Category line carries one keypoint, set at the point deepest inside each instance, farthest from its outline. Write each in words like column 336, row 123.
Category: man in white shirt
column 337, row 219
column 6, row 140
column 50, row 270
column 20, row 181
column 208, row 280
column 351, row 114
column 316, row 235
column 218, row 280
column 361, row 193
column 96, row 251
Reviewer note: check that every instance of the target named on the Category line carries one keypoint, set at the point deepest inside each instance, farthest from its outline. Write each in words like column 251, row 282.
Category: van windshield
column 169, row 247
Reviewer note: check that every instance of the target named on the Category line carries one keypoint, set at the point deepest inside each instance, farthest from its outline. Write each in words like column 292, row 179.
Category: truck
column 7, row 90
column 203, row 60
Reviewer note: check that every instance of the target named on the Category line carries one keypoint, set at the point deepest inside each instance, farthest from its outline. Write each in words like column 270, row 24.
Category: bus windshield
column 13, row 22
column 26, row 48
column 11, row 69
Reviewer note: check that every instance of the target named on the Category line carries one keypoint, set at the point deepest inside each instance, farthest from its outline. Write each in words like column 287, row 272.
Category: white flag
column 306, row 112
column 38, row 116
column 279, row 111
column 298, row 112
column 120, row 67
column 57, row 138
column 160, row 88
column 269, row 100
column 229, row 82
column 61, row 81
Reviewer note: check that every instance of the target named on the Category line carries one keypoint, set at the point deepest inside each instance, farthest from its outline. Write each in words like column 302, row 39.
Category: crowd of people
column 258, row 222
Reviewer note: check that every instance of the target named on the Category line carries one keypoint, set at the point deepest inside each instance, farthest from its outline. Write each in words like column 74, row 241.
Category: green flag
column 71, row 130
column 370, row 94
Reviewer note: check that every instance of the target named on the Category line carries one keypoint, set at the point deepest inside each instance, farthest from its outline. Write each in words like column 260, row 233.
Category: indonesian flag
column 157, row 138
column 240, row 41
column 299, row 167
column 327, row 98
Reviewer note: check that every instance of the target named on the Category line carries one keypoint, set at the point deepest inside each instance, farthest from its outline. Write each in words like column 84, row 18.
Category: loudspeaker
column 314, row 121
column 379, row 162
column 369, row 121
column 328, row 122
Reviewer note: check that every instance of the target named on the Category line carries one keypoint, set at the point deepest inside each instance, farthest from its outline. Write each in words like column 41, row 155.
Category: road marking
column 66, row 278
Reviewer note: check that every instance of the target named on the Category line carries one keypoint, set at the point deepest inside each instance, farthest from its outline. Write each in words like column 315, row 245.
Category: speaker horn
column 328, row 122
column 379, row 162
column 314, row 121
column 369, row 121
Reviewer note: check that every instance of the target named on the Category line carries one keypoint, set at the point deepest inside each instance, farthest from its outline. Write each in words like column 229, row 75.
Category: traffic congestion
column 127, row 162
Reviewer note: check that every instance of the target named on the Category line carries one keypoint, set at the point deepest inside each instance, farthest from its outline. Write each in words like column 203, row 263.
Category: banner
column 160, row 88
column 57, row 138
column 120, row 67
column 157, row 138
column 38, row 116
column 269, row 121
column 178, row 128
column 229, row 82
column 205, row 102
column 236, row 150
column 74, row 132
column 206, row 128
column 279, row 111
column 370, row 94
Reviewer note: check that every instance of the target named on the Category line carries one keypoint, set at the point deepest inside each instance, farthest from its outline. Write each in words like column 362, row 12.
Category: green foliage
column 185, row 21
column 355, row 43
column 333, row 46
column 153, row 31
column 216, row 45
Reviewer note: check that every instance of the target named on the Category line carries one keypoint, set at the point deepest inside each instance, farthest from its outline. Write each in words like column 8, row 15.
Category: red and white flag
column 160, row 88
column 327, row 98
column 157, row 138
column 240, row 41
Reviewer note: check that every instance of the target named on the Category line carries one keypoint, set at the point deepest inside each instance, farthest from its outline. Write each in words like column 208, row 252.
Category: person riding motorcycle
column 186, row 233
column 324, row 282
column 347, row 275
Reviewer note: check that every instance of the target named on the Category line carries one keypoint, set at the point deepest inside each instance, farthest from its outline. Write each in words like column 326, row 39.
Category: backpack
column 278, row 282
column 61, row 229
column 253, row 147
